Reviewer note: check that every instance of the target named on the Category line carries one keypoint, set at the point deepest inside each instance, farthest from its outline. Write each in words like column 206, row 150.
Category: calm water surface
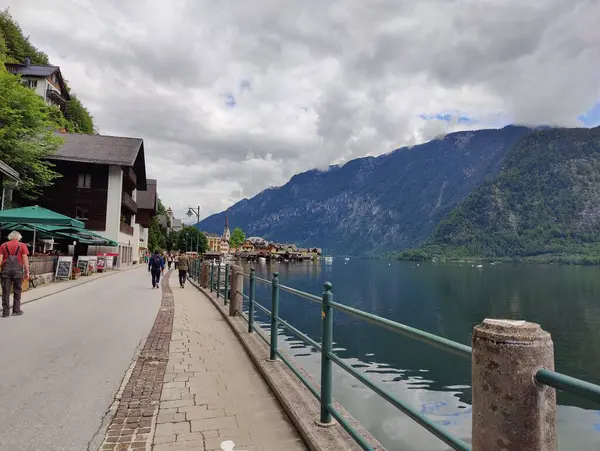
column 447, row 300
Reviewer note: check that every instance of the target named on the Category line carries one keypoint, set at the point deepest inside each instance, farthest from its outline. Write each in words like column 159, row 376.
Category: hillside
column 543, row 205
column 373, row 206
column 15, row 46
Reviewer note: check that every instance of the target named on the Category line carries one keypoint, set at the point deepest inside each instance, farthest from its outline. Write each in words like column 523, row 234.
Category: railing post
column 274, row 315
column 251, row 297
column 212, row 271
column 326, row 348
column 219, row 280
column 204, row 274
column 510, row 409
column 236, row 290
column 226, row 292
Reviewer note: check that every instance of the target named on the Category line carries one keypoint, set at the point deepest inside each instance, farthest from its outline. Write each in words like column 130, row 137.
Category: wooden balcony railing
column 126, row 229
column 128, row 202
column 130, row 176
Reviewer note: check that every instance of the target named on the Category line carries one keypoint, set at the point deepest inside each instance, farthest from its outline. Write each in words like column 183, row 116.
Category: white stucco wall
column 113, row 204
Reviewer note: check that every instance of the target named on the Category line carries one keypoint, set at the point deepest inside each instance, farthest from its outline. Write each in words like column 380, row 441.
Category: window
column 30, row 83
column 82, row 211
column 84, row 181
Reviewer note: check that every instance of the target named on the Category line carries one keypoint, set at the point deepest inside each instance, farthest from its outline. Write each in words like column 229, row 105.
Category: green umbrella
column 37, row 215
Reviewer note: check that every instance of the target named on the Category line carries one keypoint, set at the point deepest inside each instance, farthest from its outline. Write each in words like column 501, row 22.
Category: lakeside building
column 46, row 81
column 99, row 184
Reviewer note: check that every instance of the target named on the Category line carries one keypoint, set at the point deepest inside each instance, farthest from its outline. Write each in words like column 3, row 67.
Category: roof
column 212, row 235
column 108, row 150
column 31, row 70
column 8, row 172
column 146, row 199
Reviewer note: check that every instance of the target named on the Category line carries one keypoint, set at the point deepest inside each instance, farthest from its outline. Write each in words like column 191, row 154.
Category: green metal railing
column 220, row 282
column 325, row 396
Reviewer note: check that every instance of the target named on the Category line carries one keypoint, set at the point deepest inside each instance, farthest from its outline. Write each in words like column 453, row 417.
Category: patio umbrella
column 37, row 216
column 82, row 235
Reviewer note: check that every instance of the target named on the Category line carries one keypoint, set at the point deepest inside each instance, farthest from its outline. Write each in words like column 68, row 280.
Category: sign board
column 101, row 262
column 109, row 262
column 83, row 263
column 92, row 264
column 63, row 268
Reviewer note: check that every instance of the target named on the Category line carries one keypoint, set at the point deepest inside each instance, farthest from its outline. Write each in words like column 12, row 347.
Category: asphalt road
column 62, row 362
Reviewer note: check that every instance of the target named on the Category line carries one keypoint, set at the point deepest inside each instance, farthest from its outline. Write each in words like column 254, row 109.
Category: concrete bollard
column 510, row 409
column 237, row 287
column 205, row 274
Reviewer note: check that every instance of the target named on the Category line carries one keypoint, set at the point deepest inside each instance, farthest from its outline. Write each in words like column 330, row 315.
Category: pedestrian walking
column 15, row 266
column 169, row 261
column 184, row 266
column 156, row 265
column 176, row 260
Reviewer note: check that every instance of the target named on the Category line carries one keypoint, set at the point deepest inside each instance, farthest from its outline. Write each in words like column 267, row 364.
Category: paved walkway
column 63, row 361
column 48, row 289
column 212, row 393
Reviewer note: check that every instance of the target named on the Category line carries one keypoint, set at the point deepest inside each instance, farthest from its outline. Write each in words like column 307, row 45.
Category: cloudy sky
column 232, row 97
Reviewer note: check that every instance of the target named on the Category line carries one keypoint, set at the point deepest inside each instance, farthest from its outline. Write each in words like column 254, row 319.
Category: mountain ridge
column 374, row 205
column 544, row 205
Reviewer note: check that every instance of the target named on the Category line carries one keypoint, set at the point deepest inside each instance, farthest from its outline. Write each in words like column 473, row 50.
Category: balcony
column 55, row 96
column 128, row 203
column 129, row 177
column 126, row 229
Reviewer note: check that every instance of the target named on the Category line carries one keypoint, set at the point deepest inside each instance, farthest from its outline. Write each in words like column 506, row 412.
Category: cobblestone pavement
column 212, row 393
column 138, row 401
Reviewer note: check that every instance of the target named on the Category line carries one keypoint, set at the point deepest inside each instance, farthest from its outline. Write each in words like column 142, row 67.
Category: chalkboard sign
column 101, row 262
column 109, row 262
column 93, row 262
column 63, row 268
column 83, row 265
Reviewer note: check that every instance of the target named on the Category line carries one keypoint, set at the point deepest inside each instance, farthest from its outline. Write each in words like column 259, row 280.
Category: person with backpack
column 156, row 265
column 15, row 265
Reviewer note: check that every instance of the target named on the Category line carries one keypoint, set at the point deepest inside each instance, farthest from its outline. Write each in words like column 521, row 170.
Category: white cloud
column 311, row 83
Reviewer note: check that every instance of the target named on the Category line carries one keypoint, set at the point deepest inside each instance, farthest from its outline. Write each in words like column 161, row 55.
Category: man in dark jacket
column 156, row 265
column 184, row 266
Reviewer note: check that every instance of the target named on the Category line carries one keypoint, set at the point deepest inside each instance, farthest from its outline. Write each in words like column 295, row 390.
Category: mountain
column 544, row 204
column 374, row 205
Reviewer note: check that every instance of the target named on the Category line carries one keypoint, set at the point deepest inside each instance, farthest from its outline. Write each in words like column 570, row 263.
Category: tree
column 26, row 137
column 17, row 44
column 79, row 118
column 172, row 240
column 189, row 237
column 15, row 47
column 237, row 238
column 156, row 238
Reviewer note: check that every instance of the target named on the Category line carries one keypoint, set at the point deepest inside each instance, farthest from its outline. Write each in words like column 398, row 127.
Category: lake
column 447, row 300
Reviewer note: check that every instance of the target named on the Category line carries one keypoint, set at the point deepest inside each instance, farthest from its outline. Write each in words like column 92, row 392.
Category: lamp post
column 195, row 211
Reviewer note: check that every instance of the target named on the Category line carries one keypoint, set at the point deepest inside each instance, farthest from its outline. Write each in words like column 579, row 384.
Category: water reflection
column 447, row 300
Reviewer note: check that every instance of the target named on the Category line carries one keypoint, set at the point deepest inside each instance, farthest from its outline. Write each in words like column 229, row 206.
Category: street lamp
column 195, row 211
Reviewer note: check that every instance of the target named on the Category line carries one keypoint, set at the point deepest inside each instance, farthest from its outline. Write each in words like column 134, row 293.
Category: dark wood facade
column 80, row 193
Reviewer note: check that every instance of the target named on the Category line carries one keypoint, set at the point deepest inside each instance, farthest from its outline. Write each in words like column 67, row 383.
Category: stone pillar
column 205, row 274
column 237, row 287
column 510, row 409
